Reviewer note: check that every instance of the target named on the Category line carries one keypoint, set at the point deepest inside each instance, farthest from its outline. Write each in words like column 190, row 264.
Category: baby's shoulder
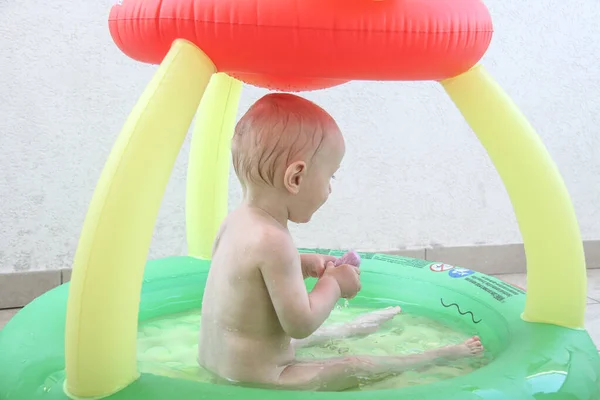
column 270, row 244
column 266, row 236
column 259, row 239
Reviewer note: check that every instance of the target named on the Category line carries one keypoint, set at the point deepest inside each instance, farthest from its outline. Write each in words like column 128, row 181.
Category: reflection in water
column 168, row 346
column 547, row 382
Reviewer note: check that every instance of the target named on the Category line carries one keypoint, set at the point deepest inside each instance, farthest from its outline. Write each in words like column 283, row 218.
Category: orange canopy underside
column 311, row 44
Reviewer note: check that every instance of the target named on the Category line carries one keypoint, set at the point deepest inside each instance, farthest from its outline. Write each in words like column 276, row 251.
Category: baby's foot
column 468, row 348
column 370, row 322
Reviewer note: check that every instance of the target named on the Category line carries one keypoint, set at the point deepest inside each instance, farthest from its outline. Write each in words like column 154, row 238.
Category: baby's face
column 316, row 187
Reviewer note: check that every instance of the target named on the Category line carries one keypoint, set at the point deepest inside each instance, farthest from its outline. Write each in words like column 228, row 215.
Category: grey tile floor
column 592, row 311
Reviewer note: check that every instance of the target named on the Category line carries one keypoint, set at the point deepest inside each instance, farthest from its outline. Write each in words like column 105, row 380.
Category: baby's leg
column 345, row 373
column 362, row 325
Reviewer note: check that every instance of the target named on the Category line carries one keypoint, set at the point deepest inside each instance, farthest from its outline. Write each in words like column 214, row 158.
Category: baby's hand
column 313, row 265
column 321, row 265
column 347, row 277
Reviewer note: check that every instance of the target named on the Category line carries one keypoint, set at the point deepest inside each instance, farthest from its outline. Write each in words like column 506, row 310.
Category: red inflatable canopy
column 311, row 44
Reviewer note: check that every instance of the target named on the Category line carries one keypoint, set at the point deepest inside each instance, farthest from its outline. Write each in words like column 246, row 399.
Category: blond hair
column 277, row 129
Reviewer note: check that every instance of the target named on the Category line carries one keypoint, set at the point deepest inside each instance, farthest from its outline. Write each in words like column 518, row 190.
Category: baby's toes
column 472, row 341
column 474, row 345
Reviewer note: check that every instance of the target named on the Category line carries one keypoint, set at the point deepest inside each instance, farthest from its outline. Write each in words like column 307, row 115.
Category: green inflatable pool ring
column 530, row 361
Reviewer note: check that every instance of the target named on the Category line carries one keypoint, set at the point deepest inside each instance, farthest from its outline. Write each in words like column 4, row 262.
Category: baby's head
column 289, row 147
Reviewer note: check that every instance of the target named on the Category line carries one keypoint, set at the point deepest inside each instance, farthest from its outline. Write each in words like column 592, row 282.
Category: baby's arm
column 300, row 313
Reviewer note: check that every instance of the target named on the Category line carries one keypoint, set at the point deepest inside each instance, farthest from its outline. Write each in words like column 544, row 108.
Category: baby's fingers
column 319, row 271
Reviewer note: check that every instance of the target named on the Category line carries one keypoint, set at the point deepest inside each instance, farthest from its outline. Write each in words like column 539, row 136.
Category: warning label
column 499, row 290
column 440, row 267
column 460, row 272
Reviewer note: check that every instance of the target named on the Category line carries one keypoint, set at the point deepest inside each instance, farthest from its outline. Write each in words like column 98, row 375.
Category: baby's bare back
column 241, row 338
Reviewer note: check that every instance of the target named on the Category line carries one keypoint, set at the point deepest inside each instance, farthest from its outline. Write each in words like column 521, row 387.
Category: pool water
column 168, row 346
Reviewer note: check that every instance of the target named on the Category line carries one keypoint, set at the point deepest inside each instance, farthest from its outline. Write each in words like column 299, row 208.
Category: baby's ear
column 294, row 174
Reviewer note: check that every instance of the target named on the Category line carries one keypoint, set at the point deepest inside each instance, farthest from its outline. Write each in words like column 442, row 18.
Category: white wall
column 414, row 174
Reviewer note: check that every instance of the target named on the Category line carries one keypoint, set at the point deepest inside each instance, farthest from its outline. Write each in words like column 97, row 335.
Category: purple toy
column 350, row 257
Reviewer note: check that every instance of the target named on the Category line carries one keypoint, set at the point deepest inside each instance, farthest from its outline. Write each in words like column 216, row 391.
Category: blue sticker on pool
column 460, row 272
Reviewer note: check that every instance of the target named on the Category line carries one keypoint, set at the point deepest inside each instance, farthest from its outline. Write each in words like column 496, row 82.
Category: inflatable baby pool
column 528, row 359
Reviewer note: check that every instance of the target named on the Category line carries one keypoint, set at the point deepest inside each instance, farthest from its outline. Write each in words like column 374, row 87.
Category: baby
column 256, row 310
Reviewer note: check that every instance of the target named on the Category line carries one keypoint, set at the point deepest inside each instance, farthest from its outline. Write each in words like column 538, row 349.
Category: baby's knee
column 358, row 360
column 355, row 364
